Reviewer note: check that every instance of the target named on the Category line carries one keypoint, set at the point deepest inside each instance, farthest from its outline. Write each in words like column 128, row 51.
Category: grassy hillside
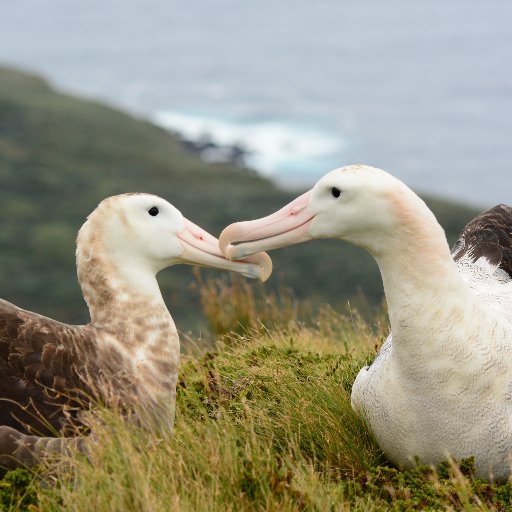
column 264, row 423
column 60, row 156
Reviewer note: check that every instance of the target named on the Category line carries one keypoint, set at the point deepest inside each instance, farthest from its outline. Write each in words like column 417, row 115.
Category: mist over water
column 421, row 89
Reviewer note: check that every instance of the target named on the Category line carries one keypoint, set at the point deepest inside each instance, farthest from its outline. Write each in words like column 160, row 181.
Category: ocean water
column 274, row 147
column 422, row 89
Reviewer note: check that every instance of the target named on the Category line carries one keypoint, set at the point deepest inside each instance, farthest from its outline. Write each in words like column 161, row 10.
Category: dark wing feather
column 43, row 366
column 488, row 236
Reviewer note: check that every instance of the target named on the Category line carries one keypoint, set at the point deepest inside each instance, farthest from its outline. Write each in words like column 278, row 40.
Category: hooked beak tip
column 261, row 264
column 226, row 237
column 266, row 267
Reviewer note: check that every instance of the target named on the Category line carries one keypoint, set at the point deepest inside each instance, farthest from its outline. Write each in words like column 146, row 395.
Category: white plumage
column 453, row 395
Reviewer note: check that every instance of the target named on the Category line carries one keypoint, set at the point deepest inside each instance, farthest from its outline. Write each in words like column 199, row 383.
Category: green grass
column 263, row 423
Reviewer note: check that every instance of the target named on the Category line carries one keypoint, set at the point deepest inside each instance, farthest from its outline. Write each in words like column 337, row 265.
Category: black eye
column 336, row 192
column 154, row 211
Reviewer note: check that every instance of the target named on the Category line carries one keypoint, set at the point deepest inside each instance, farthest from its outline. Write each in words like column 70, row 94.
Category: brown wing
column 42, row 369
column 488, row 236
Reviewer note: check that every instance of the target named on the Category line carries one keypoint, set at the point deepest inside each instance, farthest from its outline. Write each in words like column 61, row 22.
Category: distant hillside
column 61, row 155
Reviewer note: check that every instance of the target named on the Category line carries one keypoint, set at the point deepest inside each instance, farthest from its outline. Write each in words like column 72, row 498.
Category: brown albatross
column 129, row 353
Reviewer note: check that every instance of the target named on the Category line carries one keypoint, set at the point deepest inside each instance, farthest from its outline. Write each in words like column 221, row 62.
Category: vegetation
column 60, row 156
column 18, row 490
column 264, row 423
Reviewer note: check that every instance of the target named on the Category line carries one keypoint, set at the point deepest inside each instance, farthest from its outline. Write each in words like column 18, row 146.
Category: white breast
column 454, row 396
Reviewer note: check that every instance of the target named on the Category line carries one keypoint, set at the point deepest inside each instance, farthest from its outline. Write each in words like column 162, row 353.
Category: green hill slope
column 60, row 156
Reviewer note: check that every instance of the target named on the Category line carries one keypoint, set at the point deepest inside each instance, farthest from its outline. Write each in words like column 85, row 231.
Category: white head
column 360, row 204
column 145, row 233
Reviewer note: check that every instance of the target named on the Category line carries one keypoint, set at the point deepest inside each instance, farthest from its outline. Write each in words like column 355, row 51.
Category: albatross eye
column 335, row 192
column 154, row 211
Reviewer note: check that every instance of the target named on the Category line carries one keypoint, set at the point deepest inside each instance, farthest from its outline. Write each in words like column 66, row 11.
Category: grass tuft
column 264, row 423
column 18, row 491
column 233, row 304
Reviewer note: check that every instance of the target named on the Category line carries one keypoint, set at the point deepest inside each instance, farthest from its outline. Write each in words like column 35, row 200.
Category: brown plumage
column 42, row 364
column 488, row 236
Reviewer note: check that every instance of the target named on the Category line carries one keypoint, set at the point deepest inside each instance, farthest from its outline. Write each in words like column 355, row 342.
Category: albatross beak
column 201, row 248
column 287, row 226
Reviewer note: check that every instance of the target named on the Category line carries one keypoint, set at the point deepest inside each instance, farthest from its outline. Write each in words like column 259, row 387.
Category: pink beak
column 287, row 226
column 201, row 248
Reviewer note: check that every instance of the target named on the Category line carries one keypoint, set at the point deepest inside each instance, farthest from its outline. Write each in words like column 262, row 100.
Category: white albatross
column 128, row 355
column 441, row 384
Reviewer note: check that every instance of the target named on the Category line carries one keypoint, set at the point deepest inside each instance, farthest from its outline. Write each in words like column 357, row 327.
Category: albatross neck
column 421, row 282
column 122, row 298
